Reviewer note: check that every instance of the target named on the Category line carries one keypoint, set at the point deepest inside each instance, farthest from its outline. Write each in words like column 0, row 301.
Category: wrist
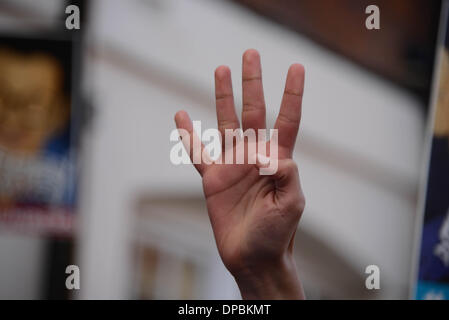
column 276, row 280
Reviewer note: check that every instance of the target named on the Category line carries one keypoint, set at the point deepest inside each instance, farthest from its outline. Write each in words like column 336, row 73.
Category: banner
column 37, row 167
column 433, row 273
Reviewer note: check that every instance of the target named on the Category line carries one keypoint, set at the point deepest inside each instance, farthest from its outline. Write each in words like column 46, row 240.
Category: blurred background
column 135, row 224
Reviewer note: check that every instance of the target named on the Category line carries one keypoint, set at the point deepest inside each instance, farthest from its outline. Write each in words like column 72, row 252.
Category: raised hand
column 254, row 217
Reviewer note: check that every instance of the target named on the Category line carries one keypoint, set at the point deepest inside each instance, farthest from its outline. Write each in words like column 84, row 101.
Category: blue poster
column 37, row 169
column 433, row 273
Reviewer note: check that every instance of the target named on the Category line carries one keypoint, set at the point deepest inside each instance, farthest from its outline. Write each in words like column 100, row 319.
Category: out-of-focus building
column 143, row 228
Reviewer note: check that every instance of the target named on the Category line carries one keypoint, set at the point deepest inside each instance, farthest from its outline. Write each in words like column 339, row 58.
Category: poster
column 433, row 273
column 37, row 167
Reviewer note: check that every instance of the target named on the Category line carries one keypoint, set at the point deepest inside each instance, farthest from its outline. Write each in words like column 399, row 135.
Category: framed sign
column 37, row 134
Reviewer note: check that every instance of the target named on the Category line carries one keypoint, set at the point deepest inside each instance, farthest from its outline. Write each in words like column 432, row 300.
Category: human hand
column 254, row 217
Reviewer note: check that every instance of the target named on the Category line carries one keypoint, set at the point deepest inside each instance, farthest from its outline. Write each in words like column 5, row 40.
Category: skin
column 254, row 217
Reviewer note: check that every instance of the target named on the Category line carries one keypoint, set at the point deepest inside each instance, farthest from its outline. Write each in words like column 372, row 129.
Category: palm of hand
column 253, row 216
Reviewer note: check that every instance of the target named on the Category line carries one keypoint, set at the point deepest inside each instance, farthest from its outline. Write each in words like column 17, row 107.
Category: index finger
column 192, row 142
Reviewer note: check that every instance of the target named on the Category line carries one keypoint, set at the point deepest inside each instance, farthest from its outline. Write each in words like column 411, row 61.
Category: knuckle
column 296, row 93
column 253, row 106
column 295, row 206
column 291, row 166
column 226, row 123
column 287, row 119
column 223, row 96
